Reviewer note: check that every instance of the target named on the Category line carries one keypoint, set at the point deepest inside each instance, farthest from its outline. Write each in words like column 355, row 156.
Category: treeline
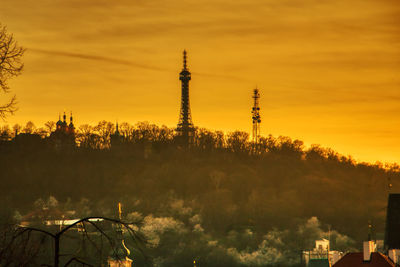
column 99, row 137
column 223, row 179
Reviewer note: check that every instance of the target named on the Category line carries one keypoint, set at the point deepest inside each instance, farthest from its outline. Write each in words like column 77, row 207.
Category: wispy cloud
column 97, row 58
column 126, row 62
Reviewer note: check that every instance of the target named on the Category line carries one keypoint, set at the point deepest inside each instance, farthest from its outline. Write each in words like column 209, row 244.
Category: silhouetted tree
column 17, row 128
column 87, row 137
column 104, row 130
column 50, row 126
column 238, row 142
column 126, row 130
column 10, row 66
column 205, row 139
column 29, row 127
column 5, row 133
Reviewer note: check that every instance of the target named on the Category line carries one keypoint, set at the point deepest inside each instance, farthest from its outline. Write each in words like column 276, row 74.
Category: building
column 392, row 229
column 119, row 256
column 368, row 258
column 116, row 139
column 319, row 263
column 64, row 135
column 321, row 255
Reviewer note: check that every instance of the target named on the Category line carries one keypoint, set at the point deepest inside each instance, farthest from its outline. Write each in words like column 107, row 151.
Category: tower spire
column 71, row 127
column 184, row 60
column 119, row 210
column 119, row 255
column 185, row 125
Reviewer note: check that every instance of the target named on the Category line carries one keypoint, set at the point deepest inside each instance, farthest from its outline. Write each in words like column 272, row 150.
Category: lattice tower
column 185, row 125
column 255, row 112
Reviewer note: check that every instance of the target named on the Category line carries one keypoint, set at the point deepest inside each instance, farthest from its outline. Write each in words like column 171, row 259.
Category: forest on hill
column 221, row 200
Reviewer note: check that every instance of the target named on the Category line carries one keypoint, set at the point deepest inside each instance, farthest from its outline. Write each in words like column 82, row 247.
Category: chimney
column 394, row 255
column 368, row 248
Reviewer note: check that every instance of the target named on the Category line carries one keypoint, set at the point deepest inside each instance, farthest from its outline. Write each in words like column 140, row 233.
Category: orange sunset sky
column 328, row 70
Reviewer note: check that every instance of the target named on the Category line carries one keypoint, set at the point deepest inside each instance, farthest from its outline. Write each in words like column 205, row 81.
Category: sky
column 327, row 70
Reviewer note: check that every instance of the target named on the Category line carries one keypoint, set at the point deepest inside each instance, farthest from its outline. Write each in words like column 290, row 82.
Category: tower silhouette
column 255, row 112
column 185, row 125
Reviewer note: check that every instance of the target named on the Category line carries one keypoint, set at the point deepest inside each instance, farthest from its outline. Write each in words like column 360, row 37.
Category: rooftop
column 355, row 259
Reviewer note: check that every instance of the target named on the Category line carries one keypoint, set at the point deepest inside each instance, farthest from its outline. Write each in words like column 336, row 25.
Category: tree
column 29, row 127
column 17, row 128
column 104, row 130
column 50, row 126
column 10, row 66
column 206, row 139
column 29, row 241
column 88, row 138
column 5, row 133
column 238, row 141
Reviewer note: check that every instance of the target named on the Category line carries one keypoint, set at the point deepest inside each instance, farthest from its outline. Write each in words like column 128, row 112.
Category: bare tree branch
column 78, row 261
column 88, row 220
column 10, row 66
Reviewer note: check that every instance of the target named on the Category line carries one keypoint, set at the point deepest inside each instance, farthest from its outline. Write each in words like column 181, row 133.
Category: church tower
column 185, row 126
column 119, row 256
column 116, row 138
column 71, row 127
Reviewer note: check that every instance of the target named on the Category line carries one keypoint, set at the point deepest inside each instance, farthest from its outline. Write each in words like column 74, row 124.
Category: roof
column 318, row 263
column 392, row 232
column 355, row 259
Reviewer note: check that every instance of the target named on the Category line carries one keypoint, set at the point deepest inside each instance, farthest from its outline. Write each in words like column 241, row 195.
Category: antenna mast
column 256, row 118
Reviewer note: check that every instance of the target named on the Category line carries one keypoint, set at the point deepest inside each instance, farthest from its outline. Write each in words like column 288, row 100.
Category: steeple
column 71, row 124
column 119, row 254
column 116, row 129
column 369, row 231
column 59, row 122
column 65, row 118
column 119, row 211
column 116, row 138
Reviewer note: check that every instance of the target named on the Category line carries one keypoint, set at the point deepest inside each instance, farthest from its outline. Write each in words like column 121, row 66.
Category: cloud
column 125, row 62
column 96, row 58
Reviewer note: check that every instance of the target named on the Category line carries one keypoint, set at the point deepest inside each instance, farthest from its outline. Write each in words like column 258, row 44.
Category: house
column 368, row 258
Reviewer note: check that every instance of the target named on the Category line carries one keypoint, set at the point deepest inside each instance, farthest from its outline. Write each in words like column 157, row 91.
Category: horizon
column 306, row 146
column 327, row 72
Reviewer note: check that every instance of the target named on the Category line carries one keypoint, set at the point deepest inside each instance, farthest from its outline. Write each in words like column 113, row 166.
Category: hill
column 218, row 195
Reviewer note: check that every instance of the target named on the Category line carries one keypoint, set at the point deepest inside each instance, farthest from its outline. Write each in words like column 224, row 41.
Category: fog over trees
column 220, row 201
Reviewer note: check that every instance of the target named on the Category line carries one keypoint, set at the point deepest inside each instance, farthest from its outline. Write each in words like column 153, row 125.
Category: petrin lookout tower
column 185, row 126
